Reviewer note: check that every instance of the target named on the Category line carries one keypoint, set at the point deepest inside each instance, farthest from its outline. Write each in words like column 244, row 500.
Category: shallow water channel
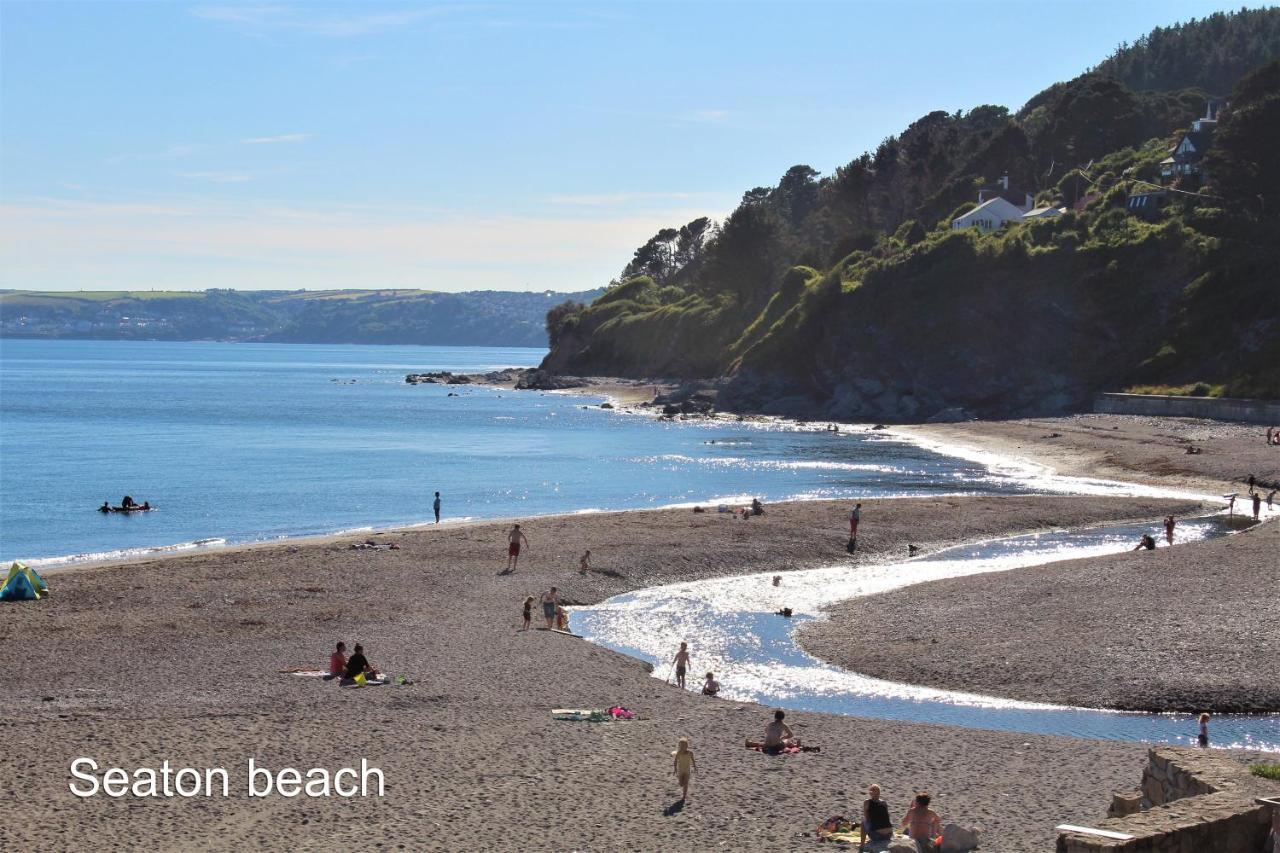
column 732, row 629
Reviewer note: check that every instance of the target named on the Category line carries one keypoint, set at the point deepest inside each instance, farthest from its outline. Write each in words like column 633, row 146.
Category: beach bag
column 360, row 680
column 851, row 545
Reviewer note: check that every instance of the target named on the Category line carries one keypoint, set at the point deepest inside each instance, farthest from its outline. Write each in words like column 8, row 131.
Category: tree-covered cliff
column 850, row 295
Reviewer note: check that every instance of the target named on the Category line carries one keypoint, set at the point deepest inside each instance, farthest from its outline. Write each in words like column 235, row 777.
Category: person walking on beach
column 854, row 517
column 1257, row 504
column 1169, row 524
column 1253, row 481
column 550, row 600
column 684, row 765
column 584, row 564
column 681, row 662
column 528, row 613
column 515, row 536
column 435, row 505
column 1203, row 737
column 1271, row 496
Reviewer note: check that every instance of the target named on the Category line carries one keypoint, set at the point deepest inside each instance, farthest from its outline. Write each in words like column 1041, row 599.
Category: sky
column 465, row 146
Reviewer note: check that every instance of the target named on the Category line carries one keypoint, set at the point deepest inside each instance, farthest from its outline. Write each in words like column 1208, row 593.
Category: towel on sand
column 788, row 750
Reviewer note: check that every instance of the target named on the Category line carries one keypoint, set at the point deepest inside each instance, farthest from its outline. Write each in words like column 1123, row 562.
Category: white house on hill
column 989, row 216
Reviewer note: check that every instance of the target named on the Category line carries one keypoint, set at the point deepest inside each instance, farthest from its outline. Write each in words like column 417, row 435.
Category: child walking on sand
column 684, row 765
column 528, row 612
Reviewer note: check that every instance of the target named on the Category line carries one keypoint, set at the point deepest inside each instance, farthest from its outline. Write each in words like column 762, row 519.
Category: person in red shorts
column 515, row 538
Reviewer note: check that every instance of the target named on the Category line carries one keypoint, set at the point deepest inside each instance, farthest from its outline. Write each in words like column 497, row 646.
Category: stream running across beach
column 733, row 628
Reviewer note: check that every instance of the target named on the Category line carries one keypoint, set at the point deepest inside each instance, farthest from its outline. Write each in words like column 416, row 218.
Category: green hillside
column 850, row 295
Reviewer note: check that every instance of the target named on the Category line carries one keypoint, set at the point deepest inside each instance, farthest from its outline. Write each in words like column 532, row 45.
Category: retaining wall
column 1196, row 802
column 1219, row 408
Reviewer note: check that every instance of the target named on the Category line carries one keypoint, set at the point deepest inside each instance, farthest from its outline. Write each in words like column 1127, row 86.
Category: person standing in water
column 435, row 505
column 1169, row 524
column 515, row 536
column 1203, row 737
column 682, row 664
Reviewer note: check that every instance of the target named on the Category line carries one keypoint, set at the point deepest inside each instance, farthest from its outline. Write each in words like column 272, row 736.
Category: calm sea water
column 243, row 442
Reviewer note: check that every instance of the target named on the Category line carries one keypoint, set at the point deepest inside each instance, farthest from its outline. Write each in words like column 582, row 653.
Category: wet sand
column 1191, row 629
column 178, row 658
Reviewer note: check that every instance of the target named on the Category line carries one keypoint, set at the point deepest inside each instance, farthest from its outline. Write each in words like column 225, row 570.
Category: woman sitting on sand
column 922, row 824
column 358, row 664
column 337, row 662
column 876, row 825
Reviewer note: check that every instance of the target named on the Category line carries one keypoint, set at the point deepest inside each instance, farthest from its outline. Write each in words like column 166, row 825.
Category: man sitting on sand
column 337, row 662
column 778, row 735
column 358, row 664
column 1147, row 541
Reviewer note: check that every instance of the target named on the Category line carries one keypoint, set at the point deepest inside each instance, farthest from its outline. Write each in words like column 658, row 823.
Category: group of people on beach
column 555, row 615
column 921, row 823
column 349, row 670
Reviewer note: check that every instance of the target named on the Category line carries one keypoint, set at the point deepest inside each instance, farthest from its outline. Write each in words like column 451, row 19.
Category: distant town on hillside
column 474, row 318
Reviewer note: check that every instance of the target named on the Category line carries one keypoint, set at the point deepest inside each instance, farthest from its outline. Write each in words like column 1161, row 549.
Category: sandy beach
column 180, row 658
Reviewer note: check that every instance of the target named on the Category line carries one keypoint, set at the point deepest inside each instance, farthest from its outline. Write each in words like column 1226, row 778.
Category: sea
column 248, row 442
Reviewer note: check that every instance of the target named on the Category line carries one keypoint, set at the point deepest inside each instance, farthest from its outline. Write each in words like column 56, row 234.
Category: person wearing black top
column 358, row 663
column 876, row 825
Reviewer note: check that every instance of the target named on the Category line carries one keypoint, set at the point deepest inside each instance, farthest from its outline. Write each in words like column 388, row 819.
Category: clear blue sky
column 461, row 146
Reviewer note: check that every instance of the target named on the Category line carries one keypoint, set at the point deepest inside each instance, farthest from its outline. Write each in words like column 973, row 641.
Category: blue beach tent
column 23, row 584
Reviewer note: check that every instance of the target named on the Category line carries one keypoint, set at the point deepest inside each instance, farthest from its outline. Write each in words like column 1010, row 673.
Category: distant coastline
column 387, row 317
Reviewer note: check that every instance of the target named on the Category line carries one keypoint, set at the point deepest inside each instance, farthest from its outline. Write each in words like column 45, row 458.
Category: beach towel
column 579, row 715
column 841, row 830
column 305, row 672
column 617, row 712
column 787, row 750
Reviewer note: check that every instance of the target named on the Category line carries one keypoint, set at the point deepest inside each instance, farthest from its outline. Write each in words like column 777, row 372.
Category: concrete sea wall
column 1190, row 800
column 1219, row 408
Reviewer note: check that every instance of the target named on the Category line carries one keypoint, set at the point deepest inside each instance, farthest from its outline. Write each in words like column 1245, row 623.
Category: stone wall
column 1218, row 408
column 1194, row 801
